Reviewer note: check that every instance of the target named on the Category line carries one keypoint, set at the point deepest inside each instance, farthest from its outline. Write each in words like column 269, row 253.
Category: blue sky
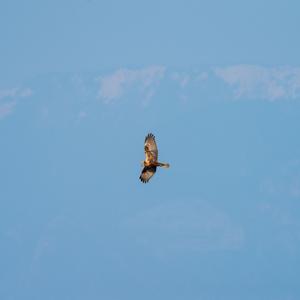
column 82, row 83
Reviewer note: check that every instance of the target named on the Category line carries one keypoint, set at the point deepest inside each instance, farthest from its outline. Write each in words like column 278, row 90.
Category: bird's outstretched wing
column 147, row 173
column 151, row 151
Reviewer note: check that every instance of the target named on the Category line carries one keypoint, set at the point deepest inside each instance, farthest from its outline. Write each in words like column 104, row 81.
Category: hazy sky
column 82, row 83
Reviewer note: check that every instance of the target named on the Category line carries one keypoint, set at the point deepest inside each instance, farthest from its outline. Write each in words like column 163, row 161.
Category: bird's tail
column 163, row 165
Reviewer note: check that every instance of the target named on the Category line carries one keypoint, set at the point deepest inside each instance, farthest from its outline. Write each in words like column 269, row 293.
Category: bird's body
column 150, row 163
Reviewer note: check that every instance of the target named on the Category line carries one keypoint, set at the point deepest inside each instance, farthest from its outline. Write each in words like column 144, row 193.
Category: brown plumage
column 150, row 163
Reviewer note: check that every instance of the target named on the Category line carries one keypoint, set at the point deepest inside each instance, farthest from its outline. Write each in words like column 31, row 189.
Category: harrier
column 150, row 163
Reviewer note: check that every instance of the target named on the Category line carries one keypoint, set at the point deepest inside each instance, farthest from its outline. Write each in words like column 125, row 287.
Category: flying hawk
column 150, row 163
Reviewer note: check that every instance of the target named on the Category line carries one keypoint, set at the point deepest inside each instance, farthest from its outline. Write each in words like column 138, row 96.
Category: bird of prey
column 150, row 163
